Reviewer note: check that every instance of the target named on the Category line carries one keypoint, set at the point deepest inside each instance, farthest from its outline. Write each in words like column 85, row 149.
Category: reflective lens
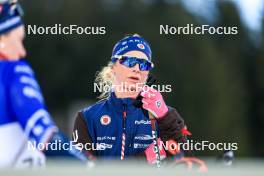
column 130, row 62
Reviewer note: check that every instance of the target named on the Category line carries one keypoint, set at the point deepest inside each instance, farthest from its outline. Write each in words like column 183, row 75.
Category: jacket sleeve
column 81, row 130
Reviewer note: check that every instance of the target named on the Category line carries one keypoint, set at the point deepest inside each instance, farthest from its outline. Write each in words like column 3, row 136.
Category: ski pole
column 155, row 138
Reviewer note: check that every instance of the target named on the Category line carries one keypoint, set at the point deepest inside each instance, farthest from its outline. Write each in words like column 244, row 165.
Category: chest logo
column 105, row 120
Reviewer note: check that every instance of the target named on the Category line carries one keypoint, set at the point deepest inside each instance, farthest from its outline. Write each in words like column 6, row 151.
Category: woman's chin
column 132, row 84
column 135, row 87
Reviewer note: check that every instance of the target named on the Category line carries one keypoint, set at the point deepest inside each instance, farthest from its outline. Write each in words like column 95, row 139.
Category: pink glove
column 151, row 155
column 153, row 102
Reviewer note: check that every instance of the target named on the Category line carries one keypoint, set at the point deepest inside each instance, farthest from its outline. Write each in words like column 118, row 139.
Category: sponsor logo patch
column 140, row 46
column 143, row 137
column 144, row 122
column 105, row 120
column 138, row 145
column 102, row 138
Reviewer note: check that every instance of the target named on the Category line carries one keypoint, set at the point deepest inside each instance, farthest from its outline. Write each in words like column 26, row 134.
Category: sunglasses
column 128, row 61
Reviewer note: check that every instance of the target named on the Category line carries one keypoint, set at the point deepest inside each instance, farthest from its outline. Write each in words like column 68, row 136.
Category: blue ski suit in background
column 23, row 115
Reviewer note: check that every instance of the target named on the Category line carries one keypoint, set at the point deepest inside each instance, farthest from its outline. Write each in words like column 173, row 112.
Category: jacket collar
column 120, row 103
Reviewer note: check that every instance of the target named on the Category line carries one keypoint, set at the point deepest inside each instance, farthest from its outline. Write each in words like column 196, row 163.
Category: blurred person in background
column 115, row 124
column 23, row 114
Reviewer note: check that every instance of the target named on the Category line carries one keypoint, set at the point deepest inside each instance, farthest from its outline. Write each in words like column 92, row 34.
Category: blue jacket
column 104, row 123
column 21, row 101
column 23, row 115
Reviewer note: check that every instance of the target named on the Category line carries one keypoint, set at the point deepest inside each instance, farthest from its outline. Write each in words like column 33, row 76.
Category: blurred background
column 216, row 80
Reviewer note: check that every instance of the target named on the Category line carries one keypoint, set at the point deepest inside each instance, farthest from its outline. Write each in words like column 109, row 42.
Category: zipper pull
column 124, row 133
column 124, row 116
column 124, row 110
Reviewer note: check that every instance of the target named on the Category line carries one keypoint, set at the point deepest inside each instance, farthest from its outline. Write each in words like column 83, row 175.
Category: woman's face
column 12, row 44
column 130, row 76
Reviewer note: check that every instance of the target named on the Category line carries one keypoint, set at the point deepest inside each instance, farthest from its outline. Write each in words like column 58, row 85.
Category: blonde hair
column 105, row 79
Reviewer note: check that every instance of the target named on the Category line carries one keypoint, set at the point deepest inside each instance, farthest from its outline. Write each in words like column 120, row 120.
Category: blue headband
column 132, row 43
column 10, row 16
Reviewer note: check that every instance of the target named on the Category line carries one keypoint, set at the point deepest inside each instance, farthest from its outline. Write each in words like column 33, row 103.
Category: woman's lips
column 133, row 78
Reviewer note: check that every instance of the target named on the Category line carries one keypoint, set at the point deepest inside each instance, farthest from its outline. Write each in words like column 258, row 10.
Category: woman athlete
column 114, row 127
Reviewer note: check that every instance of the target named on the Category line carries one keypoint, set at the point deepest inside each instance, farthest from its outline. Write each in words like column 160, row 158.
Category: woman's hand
column 153, row 102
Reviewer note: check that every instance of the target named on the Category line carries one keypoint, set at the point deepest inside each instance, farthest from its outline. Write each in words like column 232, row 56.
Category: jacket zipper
column 123, row 143
column 124, row 117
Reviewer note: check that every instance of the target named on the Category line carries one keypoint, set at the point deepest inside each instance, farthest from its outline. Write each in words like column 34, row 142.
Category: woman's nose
column 136, row 68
